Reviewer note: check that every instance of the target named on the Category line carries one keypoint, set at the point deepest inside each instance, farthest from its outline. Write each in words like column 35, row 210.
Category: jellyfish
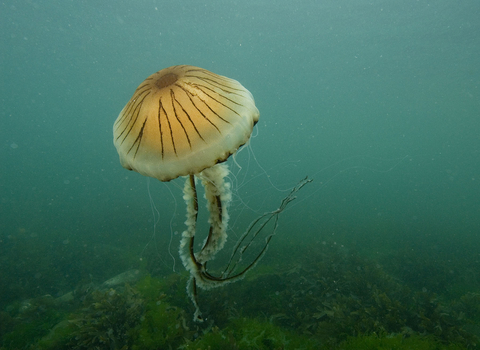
column 185, row 121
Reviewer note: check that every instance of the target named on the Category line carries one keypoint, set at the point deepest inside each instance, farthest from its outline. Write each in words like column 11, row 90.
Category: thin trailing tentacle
column 254, row 230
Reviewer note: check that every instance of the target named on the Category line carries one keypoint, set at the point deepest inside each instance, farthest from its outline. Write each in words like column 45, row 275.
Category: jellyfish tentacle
column 191, row 179
column 218, row 195
column 186, row 250
column 192, row 293
column 209, row 240
column 186, row 243
column 240, row 249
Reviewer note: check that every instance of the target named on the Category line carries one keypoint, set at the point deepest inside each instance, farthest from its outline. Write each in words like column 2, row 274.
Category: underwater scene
column 240, row 174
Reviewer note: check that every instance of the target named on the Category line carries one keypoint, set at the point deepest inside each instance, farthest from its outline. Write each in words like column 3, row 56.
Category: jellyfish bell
column 182, row 120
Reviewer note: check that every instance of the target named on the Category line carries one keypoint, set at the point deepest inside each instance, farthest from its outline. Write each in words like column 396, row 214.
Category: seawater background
column 377, row 101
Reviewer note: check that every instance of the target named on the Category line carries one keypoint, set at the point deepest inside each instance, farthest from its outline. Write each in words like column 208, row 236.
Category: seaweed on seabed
column 25, row 322
column 251, row 333
column 337, row 294
column 107, row 320
column 395, row 341
column 163, row 326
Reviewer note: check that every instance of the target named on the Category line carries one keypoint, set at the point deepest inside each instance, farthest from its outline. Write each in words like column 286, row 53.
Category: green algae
column 395, row 342
column 107, row 320
column 28, row 322
column 247, row 333
column 163, row 326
